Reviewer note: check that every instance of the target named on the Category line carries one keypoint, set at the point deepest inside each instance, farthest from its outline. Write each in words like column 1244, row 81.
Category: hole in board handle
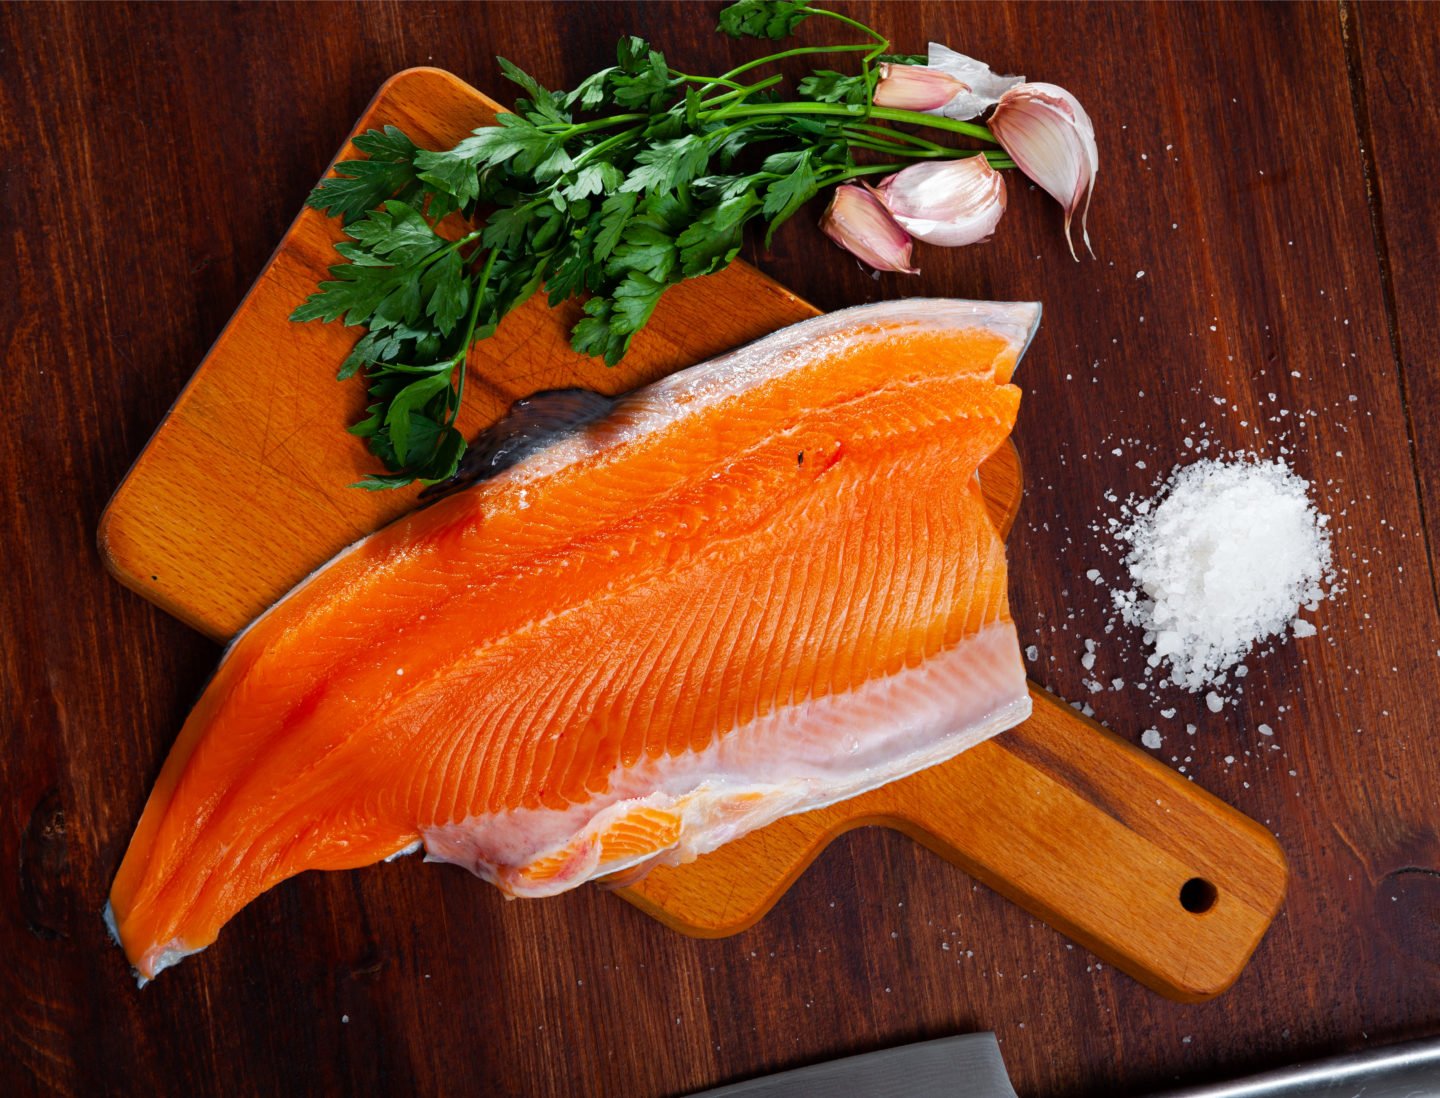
column 1197, row 895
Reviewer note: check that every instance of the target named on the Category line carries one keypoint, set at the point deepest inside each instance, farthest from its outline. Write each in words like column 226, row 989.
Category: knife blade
column 969, row 1065
column 1411, row 1070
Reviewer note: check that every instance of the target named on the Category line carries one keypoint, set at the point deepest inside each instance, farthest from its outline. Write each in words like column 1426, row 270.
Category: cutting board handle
column 1100, row 840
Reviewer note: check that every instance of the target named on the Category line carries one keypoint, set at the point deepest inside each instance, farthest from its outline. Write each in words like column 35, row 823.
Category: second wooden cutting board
column 243, row 491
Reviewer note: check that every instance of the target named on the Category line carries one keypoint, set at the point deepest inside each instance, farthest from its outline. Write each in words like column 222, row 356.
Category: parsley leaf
column 360, row 185
column 788, row 193
column 717, row 235
column 668, row 165
column 763, row 18
column 824, row 86
column 542, row 105
column 637, row 179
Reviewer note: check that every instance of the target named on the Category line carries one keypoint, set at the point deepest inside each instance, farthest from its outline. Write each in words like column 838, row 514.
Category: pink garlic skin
column 859, row 223
column 915, row 88
column 1052, row 140
column 983, row 87
column 950, row 203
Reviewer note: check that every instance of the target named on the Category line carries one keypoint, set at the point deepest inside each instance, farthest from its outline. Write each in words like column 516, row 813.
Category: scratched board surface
column 162, row 152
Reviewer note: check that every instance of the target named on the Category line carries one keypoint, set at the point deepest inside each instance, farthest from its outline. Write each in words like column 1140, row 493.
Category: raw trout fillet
column 761, row 585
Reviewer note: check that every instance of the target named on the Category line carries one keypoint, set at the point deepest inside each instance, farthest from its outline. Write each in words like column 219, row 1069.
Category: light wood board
column 244, row 490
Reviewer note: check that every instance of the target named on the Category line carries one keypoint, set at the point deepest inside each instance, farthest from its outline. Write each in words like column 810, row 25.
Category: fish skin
column 629, row 646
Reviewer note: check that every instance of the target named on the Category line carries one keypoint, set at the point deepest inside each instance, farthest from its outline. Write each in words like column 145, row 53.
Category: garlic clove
column 858, row 222
column 1052, row 140
column 950, row 203
column 915, row 88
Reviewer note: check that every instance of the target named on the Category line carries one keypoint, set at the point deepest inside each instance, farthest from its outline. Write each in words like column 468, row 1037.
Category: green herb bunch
column 639, row 178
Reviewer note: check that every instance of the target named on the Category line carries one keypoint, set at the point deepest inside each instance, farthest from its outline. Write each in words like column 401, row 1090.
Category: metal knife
column 968, row 1066
column 1411, row 1070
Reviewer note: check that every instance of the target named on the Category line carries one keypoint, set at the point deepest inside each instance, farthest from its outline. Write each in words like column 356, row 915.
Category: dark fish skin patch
column 531, row 424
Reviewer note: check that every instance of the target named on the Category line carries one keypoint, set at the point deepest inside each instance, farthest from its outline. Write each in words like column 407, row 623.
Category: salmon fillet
column 758, row 586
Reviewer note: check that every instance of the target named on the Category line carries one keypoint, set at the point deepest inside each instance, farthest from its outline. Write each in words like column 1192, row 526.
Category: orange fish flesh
column 761, row 585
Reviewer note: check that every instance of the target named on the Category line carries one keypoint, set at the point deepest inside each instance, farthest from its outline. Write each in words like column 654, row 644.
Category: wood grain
column 1396, row 117
column 1017, row 815
column 236, row 498
column 154, row 154
column 1061, row 817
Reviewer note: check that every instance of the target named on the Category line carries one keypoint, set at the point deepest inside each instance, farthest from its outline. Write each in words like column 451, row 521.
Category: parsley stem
column 996, row 157
column 743, row 91
column 691, row 79
column 998, row 160
column 725, row 131
column 798, row 51
column 881, row 45
column 464, row 352
column 608, row 144
column 856, row 111
column 887, row 148
column 441, row 253
column 885, row 133
column 600, row 124
column 841, row 173
column 871, row 31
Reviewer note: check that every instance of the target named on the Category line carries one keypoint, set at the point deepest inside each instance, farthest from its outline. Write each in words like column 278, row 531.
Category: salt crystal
column 1151, row 738
column 1222, row 560
column 1265, row 730
column 1214, row 702
column 1032, row 653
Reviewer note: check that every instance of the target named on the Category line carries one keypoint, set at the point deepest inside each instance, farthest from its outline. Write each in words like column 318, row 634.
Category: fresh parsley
column 638, row 178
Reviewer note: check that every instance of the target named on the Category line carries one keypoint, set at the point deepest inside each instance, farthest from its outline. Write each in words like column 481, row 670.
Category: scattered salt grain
column 1265, row 730
column 1151, row 738
column 1224, row 558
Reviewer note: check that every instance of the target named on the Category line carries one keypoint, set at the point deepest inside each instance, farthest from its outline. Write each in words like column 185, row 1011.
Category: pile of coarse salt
column 1223, row 558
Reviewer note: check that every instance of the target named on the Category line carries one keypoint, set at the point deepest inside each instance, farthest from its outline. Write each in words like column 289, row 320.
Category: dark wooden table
column 1269, row 169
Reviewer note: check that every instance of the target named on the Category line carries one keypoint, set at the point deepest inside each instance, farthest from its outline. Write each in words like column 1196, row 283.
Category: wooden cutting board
column 243, row 491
